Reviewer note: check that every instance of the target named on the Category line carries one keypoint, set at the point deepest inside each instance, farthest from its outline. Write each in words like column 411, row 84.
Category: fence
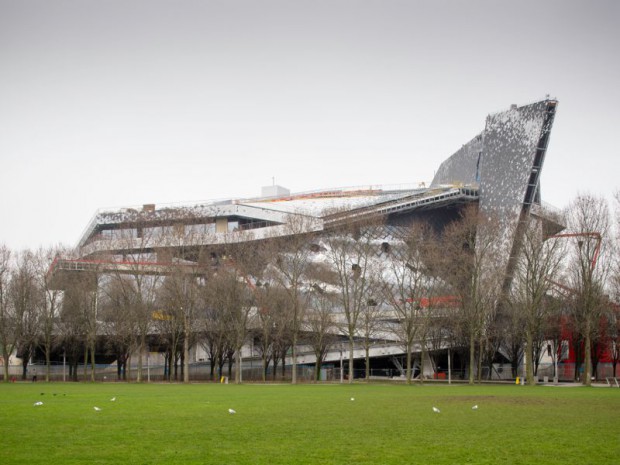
column 566, row 371
column 198, row 372
column 253, row 372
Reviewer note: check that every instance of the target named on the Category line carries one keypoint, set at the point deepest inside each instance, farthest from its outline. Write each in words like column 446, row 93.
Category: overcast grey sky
column 117, row 102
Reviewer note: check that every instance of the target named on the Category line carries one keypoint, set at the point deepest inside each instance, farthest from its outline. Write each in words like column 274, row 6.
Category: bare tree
column 230, row 290
column 8, row 324
column 470, row 266
column 281, row 338
column 180, row 295
column 588, row 219
column 538, row 264
column 350, row 254
column 288, row 271
column 26, row 301
column 272, row 303
column 117, row 306
column 321, row 325
column 614, row 336
column 215, row 331
column 408, row 284
column 511, row 324
column 51, row 303
column 138, row 274
column 371, row 325
column 78, row 322
column 615, row 288
column 171, row 322
column 231, row 294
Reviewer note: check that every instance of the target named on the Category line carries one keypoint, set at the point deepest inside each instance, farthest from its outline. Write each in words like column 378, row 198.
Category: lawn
column 307, row 424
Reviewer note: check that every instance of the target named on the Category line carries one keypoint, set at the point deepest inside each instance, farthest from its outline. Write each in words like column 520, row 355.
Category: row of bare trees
column 29, row 308
column 360, row 283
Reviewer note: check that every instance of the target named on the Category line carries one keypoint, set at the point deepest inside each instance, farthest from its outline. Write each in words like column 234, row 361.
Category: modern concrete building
column 499, row 170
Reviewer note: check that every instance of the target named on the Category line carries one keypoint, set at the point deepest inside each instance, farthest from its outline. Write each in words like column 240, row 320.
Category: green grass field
column 307, row 424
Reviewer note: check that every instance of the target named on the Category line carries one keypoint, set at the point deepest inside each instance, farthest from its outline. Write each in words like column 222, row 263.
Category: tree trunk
column 182, row 365
column 351, row 358
column 140, row 351
column 408, row 365
column 5, row 368
column 48, row 361
column 5, row 365
column 422, row 353
column 481, row 351
column 221, row 367
column 186, row 355
column 578, row 356
column 529, row 357
column 85, row 361
column 238, row 366
column 294, row 361
column 317, row 370
column 275, row 367
column 472, row 358
column 587, row 358
column 92, row 362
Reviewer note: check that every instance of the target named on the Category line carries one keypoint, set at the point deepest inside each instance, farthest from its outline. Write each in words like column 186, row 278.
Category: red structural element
column 444, row 301
column 602, row 350
column 597, row 250
column 595, row 235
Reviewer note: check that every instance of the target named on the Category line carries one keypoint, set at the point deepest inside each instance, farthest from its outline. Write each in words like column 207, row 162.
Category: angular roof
column 500, row 168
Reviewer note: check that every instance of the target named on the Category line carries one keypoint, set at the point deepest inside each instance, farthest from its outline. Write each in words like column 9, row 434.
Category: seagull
column 436, row 410
column 112, row 399
column 97, row 409
column 231, row 411
column 36, row 404
column 475, row 407
column 352, row 398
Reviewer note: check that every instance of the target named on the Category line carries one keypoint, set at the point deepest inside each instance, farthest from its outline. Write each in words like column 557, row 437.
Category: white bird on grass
column 352, row 398
column 97, row 409
column 112, row 399
column 36, row 404
column 475, row 407
column 231, row 411
column 436, row 410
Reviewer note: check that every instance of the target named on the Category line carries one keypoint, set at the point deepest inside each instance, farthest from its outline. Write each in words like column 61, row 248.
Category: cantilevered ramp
column 62, row 271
